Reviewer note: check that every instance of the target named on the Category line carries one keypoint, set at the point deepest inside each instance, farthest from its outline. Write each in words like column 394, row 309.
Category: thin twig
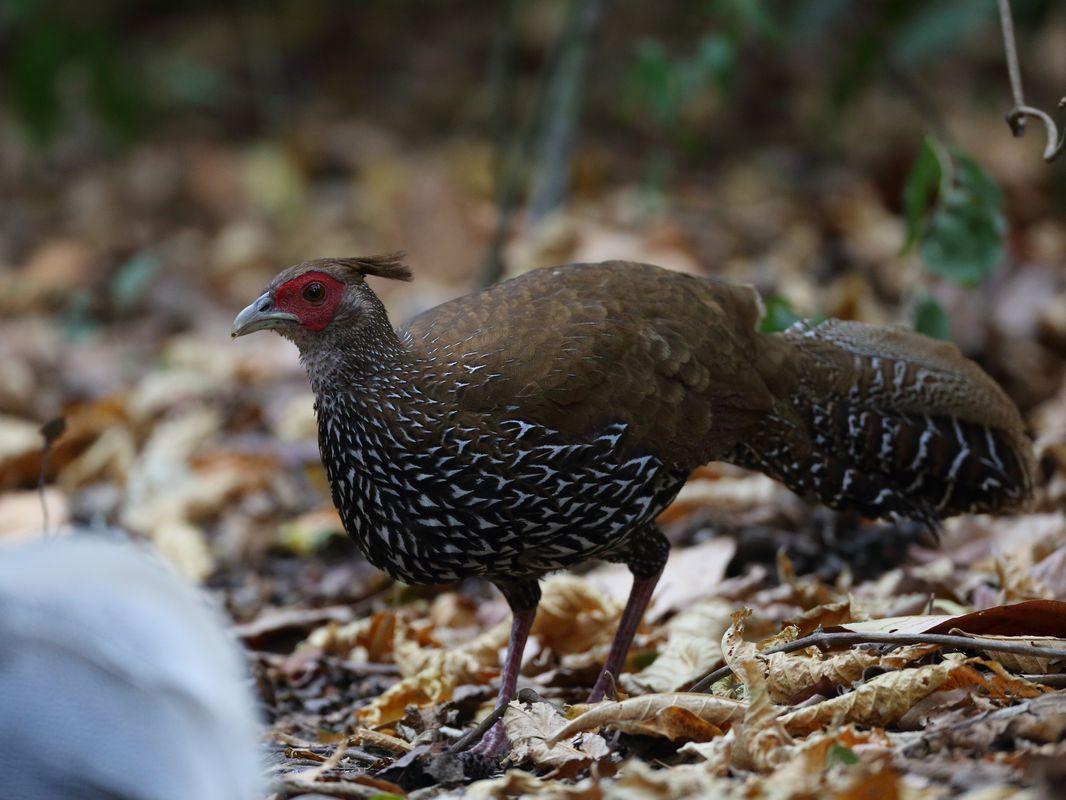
column 514, row 152
column 510, row 148
column 329, row 763
column 1016, row 116
column 1055, row 145
column 50, row 431
column 823, row 639
column 1006, row 22
column 383, row 741
column 562, row 108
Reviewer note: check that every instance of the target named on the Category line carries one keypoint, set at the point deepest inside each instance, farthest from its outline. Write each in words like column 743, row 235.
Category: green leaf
column 779, row 315
column 840, row 755
column 961, row 236
column 918, row 191
column 964, row 240
column 931, row 319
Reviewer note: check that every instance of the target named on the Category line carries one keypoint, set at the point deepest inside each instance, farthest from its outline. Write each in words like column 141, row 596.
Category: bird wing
column 579, row 347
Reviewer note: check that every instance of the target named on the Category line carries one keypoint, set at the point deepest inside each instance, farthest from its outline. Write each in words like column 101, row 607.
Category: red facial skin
column 313, row 314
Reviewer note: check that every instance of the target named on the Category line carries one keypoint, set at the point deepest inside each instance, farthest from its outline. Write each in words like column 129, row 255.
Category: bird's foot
column 493, row 744
column 603, row 685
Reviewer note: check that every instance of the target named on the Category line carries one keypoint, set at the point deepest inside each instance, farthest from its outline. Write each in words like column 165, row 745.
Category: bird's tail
column 889, row 423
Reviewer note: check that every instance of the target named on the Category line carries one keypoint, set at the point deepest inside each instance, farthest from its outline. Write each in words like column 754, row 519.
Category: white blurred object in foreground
column 117, row 681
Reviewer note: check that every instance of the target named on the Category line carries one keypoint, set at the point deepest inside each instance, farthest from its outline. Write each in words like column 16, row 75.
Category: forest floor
column 118, row 320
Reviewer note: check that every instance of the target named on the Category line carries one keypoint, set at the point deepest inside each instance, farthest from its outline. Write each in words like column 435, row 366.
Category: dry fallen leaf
column 185, row 547
column 1022, row 663
column 640, row 781
column 533, row 733
column 761, row 742
column 791, row 675
column 882, row 700
column 367, row 639
column 573, row 616
column 440, row 672
column 513, row 783
column 678, row 716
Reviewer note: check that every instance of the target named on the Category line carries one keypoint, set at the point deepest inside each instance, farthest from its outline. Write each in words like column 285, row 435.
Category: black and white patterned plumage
column 433, row 495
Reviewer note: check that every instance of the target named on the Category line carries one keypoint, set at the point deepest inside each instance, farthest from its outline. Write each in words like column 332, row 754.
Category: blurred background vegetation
column 848, row 158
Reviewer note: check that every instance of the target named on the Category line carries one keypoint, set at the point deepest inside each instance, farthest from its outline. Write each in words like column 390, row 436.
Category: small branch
column 825, row 640
column 335, row 758
column 1017, row 115
column 1054, row 147
column 562, row 107
column 509, row 147
column 50, row 431
column 1006, row 22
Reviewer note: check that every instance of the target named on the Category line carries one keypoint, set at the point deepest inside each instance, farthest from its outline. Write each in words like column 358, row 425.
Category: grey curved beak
column 260, row 315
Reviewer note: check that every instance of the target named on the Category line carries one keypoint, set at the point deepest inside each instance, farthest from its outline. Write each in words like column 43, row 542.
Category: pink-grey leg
column 639, row 596
column 494, row 742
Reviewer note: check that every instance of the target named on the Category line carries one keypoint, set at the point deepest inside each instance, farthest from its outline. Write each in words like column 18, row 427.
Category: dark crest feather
column 386, row 265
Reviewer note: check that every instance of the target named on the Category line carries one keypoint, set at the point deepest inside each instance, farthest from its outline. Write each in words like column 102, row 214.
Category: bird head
column 320, row 300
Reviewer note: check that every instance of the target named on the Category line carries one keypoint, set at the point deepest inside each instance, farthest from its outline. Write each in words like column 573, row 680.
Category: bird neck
column 363, row 367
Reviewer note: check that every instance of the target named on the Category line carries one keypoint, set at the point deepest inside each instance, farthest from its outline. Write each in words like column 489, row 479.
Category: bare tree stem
column 1006, row 22
column 1017, row 115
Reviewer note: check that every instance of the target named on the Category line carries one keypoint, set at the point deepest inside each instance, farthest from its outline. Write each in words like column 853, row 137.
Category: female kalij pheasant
column 550, row 418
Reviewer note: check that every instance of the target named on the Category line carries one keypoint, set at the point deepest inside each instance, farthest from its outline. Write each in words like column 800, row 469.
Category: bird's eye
column 314, row 292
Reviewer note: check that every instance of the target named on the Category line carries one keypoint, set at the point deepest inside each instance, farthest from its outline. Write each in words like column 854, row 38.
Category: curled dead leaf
column 441, row 671
column 790, row 675
column 882, row 700
column 761, row 742
column 533, row 733
column 368, row 639
column 513, row 783
column 1031, row 664
column 677, row 716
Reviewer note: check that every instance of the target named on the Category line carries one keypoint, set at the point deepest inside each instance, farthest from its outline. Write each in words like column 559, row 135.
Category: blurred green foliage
column 673, row 84
column 930, row 318
column 952, row 209
column 840, row 756
column 958, row 227
column 779, row 315
column 50, row 46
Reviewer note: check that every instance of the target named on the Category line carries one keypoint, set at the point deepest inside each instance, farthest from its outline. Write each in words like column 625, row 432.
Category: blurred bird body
column 549, row 419
column 116, row 680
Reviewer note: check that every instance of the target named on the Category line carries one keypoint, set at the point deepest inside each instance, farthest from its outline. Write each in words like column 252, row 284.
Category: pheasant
column 549, row 419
